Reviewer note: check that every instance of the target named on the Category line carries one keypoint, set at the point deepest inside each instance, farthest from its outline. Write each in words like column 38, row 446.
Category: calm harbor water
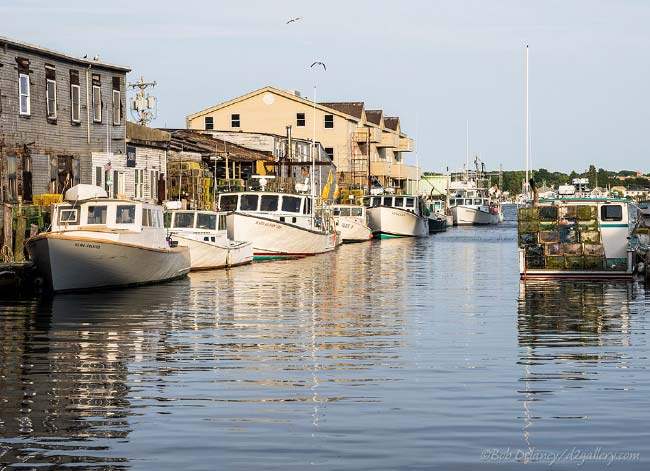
column 394, row 354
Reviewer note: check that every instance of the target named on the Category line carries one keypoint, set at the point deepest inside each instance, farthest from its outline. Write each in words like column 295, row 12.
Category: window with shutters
column 50, row 92
column 97, row 98
column 75, row 97
column 117, row 102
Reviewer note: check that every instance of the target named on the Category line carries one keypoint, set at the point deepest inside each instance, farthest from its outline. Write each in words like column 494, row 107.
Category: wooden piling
column 19, row 242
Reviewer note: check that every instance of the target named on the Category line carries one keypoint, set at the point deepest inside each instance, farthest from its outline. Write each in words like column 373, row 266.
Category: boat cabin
column 349, row 211
column 265, row 203
column 406, row 202
column 106, row 213
column 469, row 202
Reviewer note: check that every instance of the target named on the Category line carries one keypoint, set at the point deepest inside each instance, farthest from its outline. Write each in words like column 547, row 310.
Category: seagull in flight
column 319, row 63
column 294, row 19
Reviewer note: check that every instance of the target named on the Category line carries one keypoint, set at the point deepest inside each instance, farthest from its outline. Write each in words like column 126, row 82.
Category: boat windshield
column 477, row 201
column 185, row 220
column 399, row 202
column 356, row 211
column 388, row 201
column 248, row 202
column 69, row 216
column 97, row 214
column 410, row 202
column 269, row 203
column 206, row 221
column 290, row 204
column 125, row 214
column 228, row 202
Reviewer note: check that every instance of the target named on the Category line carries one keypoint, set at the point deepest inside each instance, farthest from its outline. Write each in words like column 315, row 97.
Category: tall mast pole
column 313, row 159
column 526, row 185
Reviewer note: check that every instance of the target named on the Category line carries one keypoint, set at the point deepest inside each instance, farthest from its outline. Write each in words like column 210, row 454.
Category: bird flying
column 294, row 19
column 319, row 63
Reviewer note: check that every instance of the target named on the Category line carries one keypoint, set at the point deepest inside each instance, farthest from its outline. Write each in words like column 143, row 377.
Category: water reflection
column 575, row 339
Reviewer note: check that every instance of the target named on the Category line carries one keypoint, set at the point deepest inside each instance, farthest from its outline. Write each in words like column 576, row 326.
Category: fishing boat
column 279, row 225
column 352, row 222
column 204, row 232
column 471, row 200
column 436, row 212
column 98, row 242
column 577, row 238
column 396, row 216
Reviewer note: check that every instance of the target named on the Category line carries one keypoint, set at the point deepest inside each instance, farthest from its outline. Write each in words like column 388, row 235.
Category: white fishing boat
column 577, row 238
column 471, row 201
column 204, row 232
column 352, row 222
column 396, row 216
column 280, row 225
column 97, row 242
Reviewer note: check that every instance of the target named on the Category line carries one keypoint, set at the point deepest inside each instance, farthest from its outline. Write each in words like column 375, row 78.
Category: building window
column 75, row 97
column 51, row 99
column 300, row 120
column 235, row 121
column 330, row 152
column 23, row 90
column 98, row 176
column 139, row 183
column 209, row 123
column 97, row 99
column 329, row 121
column 117, row 102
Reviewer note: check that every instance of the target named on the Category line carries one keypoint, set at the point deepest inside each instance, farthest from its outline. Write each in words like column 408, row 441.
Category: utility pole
column 143, row 105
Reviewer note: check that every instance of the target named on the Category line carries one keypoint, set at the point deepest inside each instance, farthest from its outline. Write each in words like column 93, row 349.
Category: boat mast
column 313, row 160
column 526, row 185
column 466, row 149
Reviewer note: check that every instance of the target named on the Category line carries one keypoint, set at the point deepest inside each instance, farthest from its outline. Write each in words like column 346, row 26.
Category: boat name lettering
column 84, row 245
column 398, row 213
column 268, row 224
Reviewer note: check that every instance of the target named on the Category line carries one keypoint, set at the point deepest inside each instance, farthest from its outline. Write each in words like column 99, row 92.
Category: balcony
column 405, row 144
column 394, row 170
column 362, row 135
column 388, row 139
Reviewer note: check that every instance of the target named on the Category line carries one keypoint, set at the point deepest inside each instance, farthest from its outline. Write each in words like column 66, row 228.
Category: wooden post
column 8, row 227
column 19, row 242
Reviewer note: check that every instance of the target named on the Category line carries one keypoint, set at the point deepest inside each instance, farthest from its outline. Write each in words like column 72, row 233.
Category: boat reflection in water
column 576, row 339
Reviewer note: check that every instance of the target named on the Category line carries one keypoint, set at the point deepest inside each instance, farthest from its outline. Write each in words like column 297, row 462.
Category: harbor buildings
column 61, row 119
column 366, row 147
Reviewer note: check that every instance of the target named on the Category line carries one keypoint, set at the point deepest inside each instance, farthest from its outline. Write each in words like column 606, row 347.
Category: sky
column 439, row 65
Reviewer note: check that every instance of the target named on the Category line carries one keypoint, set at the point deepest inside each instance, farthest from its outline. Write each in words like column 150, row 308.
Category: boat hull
column 211, row 255
column 69, row 263
column 353, row 229
column 437, row 225
column 557, row 274
column 466, row 216
column 394, row 222
column 276, row 239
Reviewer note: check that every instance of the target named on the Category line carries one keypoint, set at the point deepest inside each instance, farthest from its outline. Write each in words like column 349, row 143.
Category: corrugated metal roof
column 193, row 141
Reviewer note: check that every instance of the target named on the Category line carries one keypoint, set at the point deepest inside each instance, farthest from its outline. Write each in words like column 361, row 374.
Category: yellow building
column 364, row 144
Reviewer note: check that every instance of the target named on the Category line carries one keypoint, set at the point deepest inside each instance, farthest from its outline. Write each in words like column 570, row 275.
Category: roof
column 352, row 108
column 391, row 122
column 276, row 91
column 137, row 132
column 60, row 55
column 374, row 116
column 194, row 141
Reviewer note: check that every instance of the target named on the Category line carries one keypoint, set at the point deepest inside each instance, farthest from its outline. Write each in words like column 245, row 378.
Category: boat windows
column 222, row 222
column 248, row 202
column 291, row 204
column 410, row 202
column 146, row 218
column 611, row 212
column 125, row 214
column 387, row 201
column 269, row 203
column 228, row 202
column 356, row 211
column 97, row 214
column 342, row 211
column 185, row 220
column 206, row 221
column 399, row 202
column 69, row 216
column 477, row 201
column 157, row 218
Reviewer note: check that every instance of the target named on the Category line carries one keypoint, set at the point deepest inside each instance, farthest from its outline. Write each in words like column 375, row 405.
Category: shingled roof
column 193, row 141
column 352, row 108
column 391, row 122
column 374, row 116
